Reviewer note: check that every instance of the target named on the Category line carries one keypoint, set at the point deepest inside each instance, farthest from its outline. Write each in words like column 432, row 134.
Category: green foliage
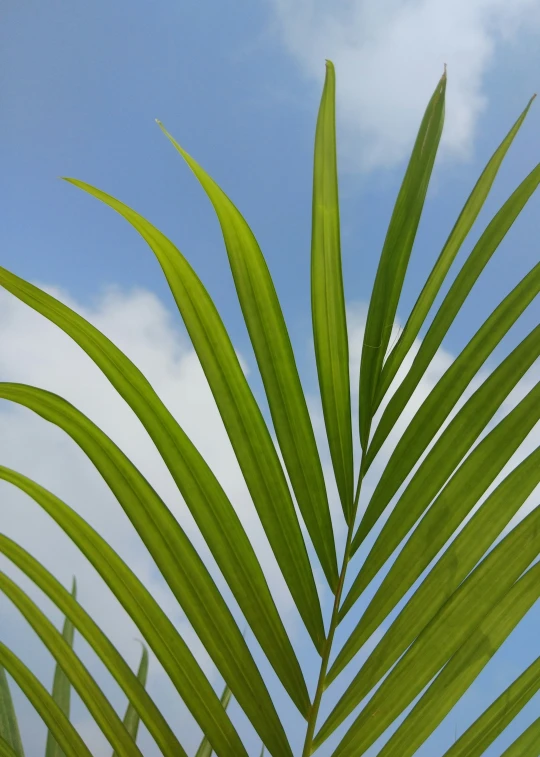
column 61, row 691
column 445, row 462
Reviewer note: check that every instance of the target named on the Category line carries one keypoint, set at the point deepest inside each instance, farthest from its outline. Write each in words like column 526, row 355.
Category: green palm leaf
column 6, row 750
column 172, row 551
column 208, row 503
column 466, row 587
column 157, row 629
column 67, row 737
column 61, row 691
column 245, row 425
column 434, row 646
column 104, row 557
column 9, row 726
column 476, row 262
column 395, row 255
column 463, row 225
column 132, row 718
column 446, row 575
column 328, row 299
column 205, row 748
column 275, row 358
column 464, row 667
column 451, row 506
column 453, row 444
column 527, row 744
column 483, row 732
column 76, row 673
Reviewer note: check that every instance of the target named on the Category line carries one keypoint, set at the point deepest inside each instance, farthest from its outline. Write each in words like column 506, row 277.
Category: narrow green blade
column 252, row 443
column 448, row 572
column 76, row 673
column 275, row 358
column 61, row 690
column 395, row 255
column 527, row 745
column 205, row 748
column 70, row 742
column 483, row 732
column 451, row 446
column 465, row 609
column 9, row 726
column 213, row 512
column 172, row 552
column 328, row 298
column 441, row 400
column 444, row 516
column 6, row 750
column 463, row 225
column 160, row 634
column 464, row 667
column 132, row 718
column 100, row 644
column 450, row 307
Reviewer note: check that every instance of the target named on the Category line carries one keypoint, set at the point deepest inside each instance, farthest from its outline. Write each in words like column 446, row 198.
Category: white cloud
column 389, row 56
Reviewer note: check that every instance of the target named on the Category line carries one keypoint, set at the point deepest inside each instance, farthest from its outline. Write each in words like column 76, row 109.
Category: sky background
column 239, row 86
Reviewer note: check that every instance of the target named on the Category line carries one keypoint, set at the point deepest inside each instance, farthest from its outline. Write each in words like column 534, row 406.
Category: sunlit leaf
column 208, row 503
column 6, row 750
column 447, row 573
column 104, row 649
column 450, row 508
column 395, row 255
column 67, row 737
column 205, row 748
column 451, row 446
column 9, row 726
column 273, row 351
column 78, row 676
column 464, row 579
column 155, row 626
column 172, row 552
column 527, row 744
column 450, row 307
column 483, row 732
column 466, row 664
column 241, row 415
column 465, row 609
column 132, row 718
column 463, row 225
column 328, row 298
column 61, row 691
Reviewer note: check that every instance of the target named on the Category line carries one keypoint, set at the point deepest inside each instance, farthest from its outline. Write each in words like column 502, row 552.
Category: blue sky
column 239, row 86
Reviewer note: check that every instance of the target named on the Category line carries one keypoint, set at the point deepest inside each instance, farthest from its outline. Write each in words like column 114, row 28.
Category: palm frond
column 9, row 725
column 483, row 732
column 445, row 490
column 132, row 717
column 527, row 744
column 61, row 690
column 205, row 747
column 64, row 733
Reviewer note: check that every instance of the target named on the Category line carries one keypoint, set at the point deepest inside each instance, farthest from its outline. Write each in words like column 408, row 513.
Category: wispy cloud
column 389, row 56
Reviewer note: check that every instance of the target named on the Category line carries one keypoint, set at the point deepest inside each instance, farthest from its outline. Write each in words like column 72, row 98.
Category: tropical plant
column 432, row 489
